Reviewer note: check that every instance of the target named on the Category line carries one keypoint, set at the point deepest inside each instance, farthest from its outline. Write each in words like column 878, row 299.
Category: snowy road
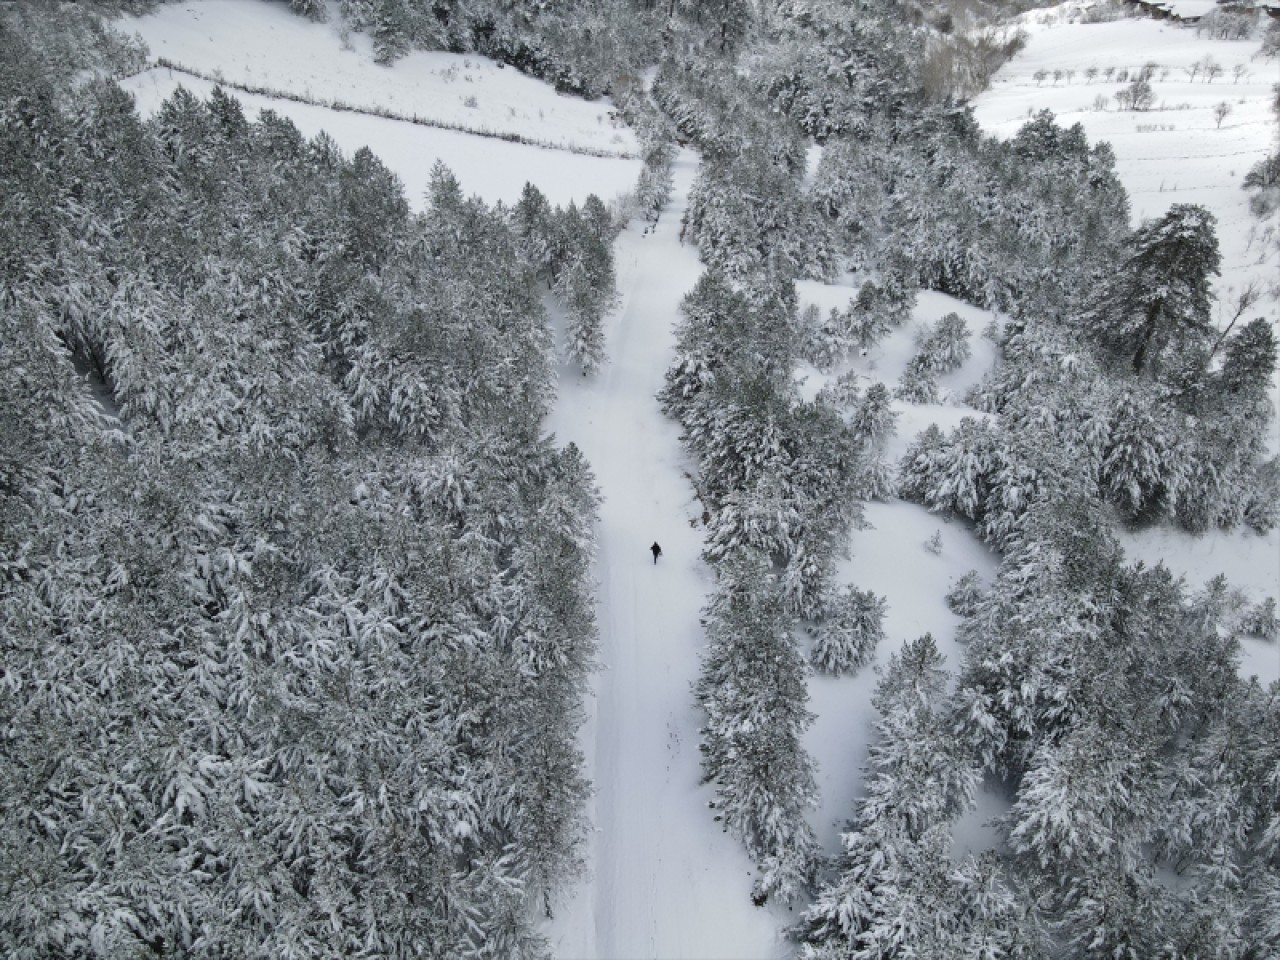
column 665, row 880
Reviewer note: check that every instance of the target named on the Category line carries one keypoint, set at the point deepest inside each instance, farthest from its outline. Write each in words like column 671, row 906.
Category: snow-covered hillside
column 264, row 46
column 1175, row 152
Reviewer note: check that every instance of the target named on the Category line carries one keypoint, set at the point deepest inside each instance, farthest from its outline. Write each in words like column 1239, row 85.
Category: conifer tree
column 1158, row 300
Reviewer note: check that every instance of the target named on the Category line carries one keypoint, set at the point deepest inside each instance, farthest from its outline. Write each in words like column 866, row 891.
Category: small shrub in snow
column 963, row 598
column 934, row 543
column 947, row 344
column 846, row 640
column 873, row 419
column 1221, row 111
column 918, row 384
column 1137, row 96
column 1264, row 177
column 1260, row 620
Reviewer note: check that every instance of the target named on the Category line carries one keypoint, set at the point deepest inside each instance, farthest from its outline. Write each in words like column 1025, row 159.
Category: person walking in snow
column 656, row 551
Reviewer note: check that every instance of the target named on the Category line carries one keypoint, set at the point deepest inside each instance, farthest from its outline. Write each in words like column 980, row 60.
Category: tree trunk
column 1141, row 357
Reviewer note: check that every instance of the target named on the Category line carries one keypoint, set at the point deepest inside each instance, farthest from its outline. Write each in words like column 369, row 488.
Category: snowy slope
column 666, row 881
column 263, row 45
column 494, row 169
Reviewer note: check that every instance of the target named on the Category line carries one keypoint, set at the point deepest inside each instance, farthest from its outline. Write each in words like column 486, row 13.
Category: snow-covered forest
column 355, row 351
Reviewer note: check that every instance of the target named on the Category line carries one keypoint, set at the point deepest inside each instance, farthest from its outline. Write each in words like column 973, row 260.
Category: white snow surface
column 1173, row 153
column 493, row 169
column 666, row 881
column 889, row 559
column 265, row 46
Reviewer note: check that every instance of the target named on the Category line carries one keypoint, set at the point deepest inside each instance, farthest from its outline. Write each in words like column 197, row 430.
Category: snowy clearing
column 891, row 560
column 494, row 169
column 265, row 45
column 885, row 362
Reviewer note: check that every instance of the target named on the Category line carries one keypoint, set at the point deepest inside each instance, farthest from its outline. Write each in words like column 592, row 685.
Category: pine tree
column 847, row 637
column 1142, row 467
column 897, row 891
column 752, row 688
column 1159, row 299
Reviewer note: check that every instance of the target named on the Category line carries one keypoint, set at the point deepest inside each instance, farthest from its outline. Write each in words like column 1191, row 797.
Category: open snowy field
column 494, row 169
column 1175, row 152
column 264, row 45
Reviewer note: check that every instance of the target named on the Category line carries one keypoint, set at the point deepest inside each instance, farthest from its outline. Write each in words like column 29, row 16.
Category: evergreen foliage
column 1099, row 690
column 1157, row 303
column 897, row 888
column 752, row 688
column 572, row 250
column 296, row 614
column 580, row 48
column 846, row 639
column 966, row 595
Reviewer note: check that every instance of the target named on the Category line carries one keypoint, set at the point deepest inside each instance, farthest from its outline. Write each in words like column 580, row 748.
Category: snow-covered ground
column 885, row 362
column 261, row 45
column 667, row 882
column 1173, row 153
column 494, row 169
column 890, row 559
